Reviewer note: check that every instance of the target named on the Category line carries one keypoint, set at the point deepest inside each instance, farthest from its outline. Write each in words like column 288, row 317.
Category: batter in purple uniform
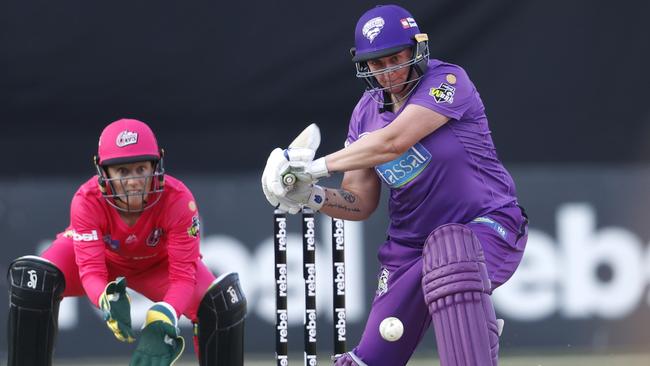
column 456, row 230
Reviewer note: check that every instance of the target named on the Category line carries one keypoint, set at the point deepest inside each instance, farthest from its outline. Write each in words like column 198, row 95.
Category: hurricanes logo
column 372, row 28
column 382, row 284
column 126, row 137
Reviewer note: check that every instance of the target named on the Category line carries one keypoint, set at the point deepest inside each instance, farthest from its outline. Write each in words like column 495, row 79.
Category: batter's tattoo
column 347, row 196
column 342, row 207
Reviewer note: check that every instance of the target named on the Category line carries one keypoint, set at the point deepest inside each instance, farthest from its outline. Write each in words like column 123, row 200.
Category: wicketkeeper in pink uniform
column 130, row 225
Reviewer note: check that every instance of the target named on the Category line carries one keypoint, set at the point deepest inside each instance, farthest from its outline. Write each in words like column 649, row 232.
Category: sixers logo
column 126, row 138
column 372, row 28
column 154, row 237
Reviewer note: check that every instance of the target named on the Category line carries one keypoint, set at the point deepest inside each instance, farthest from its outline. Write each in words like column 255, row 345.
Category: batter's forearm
column 345, row 205
column 365, row 153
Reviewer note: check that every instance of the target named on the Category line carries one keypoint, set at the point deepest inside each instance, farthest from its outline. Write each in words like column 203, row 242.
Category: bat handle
column 289, row 179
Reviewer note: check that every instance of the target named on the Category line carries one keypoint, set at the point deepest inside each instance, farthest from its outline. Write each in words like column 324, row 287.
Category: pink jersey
column 168, row 231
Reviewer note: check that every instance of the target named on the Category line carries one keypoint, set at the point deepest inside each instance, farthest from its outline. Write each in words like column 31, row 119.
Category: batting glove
column 276, row 166
column 160, row 342
column 307, row 195
column 303, row 166
column 116, row 306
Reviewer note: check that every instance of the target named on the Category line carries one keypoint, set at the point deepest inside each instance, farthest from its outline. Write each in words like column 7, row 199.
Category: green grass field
column 631, row 359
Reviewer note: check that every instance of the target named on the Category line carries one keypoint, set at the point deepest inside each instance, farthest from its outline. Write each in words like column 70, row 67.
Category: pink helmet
column 128, row 141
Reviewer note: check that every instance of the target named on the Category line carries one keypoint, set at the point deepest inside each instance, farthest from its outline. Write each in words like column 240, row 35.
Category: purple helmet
column 385, row 30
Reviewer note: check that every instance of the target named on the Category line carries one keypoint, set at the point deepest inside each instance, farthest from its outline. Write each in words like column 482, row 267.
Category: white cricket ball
column 391, row 329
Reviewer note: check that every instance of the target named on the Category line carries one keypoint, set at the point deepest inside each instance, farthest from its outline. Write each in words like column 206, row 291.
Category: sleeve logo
column 193, row 230
column 91, row 236
column 443, row 94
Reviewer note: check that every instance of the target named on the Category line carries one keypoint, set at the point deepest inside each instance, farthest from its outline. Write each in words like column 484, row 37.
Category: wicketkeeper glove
column 160, row 342
column 116, row 306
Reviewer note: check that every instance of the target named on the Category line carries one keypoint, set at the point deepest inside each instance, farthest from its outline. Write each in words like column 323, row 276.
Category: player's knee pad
column 35, row 289
column 457, row 291
column 220, row 329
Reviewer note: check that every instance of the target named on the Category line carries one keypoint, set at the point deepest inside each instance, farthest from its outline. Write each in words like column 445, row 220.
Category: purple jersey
column 452, row 175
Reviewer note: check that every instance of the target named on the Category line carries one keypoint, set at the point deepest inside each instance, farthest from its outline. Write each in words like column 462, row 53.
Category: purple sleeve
column 353, row 129
column 449, row 92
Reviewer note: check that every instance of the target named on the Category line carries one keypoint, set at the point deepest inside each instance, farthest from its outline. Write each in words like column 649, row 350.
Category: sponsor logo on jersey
column 195, row 228
column 372, row 28
column 131, row 239
column 443, row 94
column 126, row 138
column 154, row 237
column 112, row 243
column 91, row 236
column 408, row 23
column 405, row 168
column 382, row 283
column 144, row 257
column 493, row 224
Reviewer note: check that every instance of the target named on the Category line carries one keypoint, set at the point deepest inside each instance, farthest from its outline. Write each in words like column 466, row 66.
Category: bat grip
column 289, row 179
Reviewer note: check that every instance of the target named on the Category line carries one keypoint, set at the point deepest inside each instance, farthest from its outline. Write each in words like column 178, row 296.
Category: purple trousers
column 502, row 236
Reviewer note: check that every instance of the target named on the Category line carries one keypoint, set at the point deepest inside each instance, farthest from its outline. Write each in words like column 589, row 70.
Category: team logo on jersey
column 443, row 94
column 195, row 228
column 154, row 237
column 126, row 138
column 372, row 28
column 382, row 283
column 405, row 168
column 408, row 23
column 112, row 243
